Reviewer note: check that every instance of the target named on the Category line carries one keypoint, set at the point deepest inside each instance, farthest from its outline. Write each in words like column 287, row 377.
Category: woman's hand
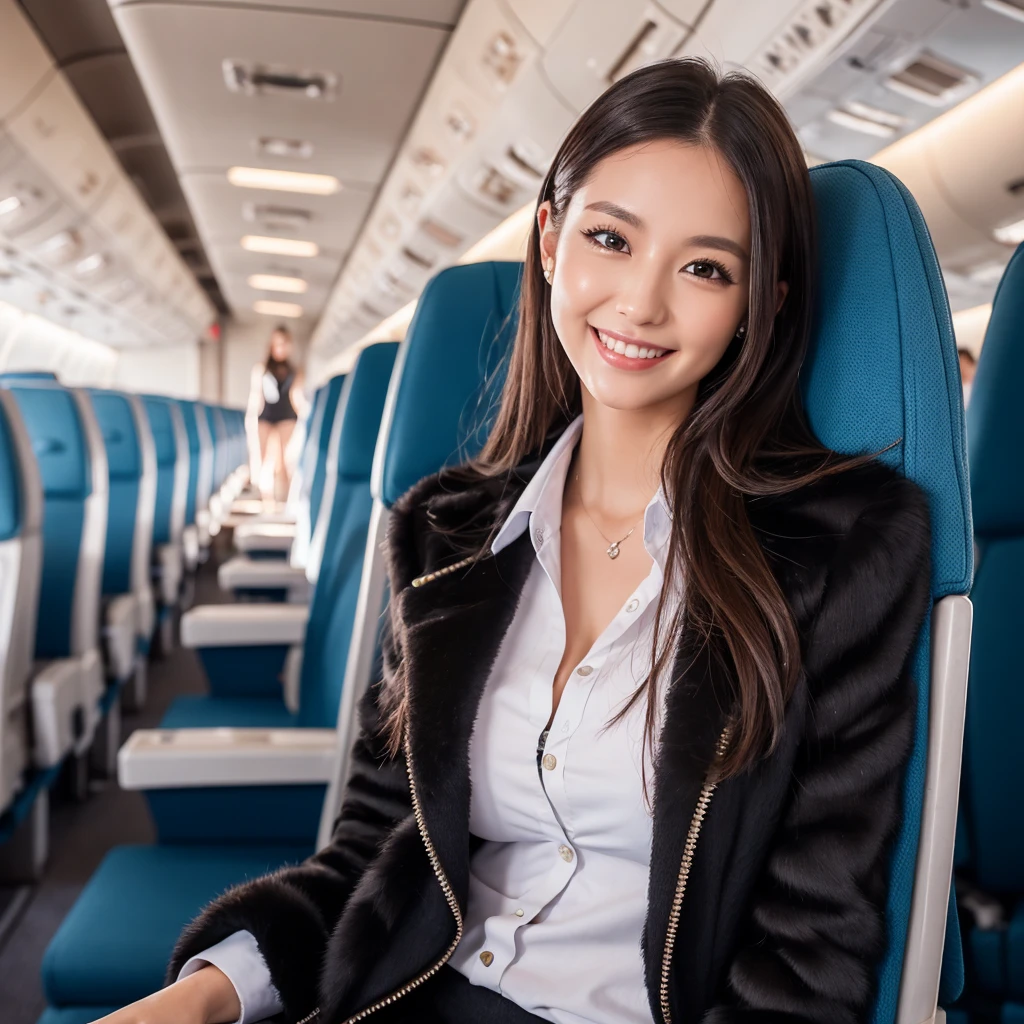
column 206, row 997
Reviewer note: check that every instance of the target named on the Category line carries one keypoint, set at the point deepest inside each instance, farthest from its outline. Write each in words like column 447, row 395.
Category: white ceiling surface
column 383, row 64
column 79, row 246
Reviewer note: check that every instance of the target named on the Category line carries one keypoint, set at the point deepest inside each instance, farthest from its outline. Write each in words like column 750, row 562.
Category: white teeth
column 631, row 351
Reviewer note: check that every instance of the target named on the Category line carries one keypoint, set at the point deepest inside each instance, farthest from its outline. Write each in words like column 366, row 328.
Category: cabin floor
column 82, row 833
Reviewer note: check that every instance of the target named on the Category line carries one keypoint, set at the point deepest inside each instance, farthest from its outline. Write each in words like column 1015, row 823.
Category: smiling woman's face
column 651, row 273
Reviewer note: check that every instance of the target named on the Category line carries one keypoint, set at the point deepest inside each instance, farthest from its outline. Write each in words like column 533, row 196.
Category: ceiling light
column 1009, row 8
column 864, row 125
column 277, row 283
column 1010, row 234
column 284, row 181
column 270, row 308
column 9, row 205
column 279, row 246
column 89, row 265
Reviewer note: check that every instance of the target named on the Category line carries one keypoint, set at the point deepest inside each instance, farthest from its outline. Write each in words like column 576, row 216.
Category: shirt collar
column 540, row 504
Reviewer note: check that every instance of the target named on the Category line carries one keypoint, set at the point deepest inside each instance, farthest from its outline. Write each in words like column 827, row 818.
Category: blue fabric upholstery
column 244, row 671
column 883, row 368
column 75, row 1014
column 58, row 438
column 444, row 394
column 10, row 484
column 332, row 393
column 332, row 612
column 158, row 411
column 188, row 415
column 114, row 945
column 200, row 712
column 124, row 466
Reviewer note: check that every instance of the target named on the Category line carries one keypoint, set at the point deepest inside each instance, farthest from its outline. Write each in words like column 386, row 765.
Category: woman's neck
column 617, row 467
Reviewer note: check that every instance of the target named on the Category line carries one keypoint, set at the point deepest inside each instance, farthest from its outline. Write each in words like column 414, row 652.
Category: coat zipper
column 689, row 848
column 446, row 888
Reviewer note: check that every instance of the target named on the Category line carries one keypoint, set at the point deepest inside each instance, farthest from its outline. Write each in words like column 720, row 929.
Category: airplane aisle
column 81, row 833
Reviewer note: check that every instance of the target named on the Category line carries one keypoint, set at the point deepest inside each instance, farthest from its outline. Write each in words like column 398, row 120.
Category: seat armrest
column 241, row 573
column 191, row 758
column 264, row 537
column 244, row 625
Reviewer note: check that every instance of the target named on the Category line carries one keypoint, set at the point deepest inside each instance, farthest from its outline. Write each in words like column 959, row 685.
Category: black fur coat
column 783, row 914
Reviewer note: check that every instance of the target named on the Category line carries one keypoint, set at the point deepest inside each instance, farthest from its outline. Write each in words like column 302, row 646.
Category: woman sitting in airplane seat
column 638, row 750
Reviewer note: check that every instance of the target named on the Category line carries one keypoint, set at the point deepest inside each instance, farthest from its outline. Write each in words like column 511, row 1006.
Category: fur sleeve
column 816, row 929
column 292, row 912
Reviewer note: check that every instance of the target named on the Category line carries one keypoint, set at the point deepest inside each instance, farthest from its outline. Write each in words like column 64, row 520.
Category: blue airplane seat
column 167, row 425
column 251, row 666
column 23, row 791
column 190, row 531
column 483, row 298
column 68, row 446
column 993, row 760
column 205, row 482
column 129, row 614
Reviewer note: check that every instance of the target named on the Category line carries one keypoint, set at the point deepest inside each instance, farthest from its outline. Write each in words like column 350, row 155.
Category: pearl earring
column 549, row 269
column 741, row 330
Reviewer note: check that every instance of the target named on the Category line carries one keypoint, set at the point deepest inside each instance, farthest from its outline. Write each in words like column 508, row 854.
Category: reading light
column 270, row 308
column 1010, row 234
column 278, row 283
column 279, row 246
column 284, row 181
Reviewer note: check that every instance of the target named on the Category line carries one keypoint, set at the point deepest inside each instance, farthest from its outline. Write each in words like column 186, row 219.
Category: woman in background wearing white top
column 638, row 749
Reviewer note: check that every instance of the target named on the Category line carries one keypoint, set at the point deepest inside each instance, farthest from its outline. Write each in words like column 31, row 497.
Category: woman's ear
column 781, row 292
column 546, row 231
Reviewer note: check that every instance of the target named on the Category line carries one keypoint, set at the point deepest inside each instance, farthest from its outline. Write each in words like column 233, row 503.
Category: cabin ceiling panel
column 332, row 220
column 381, row 70
column 440, row 12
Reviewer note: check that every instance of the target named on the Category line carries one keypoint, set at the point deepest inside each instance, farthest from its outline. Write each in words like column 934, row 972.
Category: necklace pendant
column 613, row 549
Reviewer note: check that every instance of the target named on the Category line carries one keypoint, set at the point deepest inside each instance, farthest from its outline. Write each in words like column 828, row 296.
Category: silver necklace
column 613, row 545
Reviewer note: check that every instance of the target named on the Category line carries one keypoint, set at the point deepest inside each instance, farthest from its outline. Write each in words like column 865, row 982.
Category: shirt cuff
column 239, row 958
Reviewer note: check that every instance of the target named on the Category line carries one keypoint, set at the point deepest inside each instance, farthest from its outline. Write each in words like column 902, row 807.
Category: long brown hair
column 747, row 434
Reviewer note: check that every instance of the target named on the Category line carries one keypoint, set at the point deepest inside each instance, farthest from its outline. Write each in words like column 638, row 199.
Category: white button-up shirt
column 558, row 888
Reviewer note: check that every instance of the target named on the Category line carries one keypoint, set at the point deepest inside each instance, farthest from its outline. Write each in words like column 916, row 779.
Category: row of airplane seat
column 990, row 840
column 93, row 525
column 264, row 786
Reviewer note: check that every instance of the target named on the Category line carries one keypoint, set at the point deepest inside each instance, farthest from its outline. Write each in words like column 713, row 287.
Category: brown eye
column 702, row 269
column 609, row 240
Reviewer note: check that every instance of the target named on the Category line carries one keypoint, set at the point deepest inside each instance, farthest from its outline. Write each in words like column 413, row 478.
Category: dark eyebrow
column 614, row 210
column 718, row 242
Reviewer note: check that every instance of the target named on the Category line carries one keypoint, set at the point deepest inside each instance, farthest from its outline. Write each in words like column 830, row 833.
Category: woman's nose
column 642, row 298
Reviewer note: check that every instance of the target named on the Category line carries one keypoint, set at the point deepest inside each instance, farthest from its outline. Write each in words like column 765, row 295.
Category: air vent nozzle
column 259, row 80
column 930, row 79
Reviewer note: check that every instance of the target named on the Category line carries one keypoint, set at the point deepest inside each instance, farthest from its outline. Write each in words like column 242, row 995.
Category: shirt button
column 633, row 605
column 519, row 912
column 565, row 853
column 538, row 536
column 549, row 762
column 584, row 670
column 487, row 958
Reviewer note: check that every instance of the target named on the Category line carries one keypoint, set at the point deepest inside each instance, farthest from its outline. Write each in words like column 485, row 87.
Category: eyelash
column 592, row 233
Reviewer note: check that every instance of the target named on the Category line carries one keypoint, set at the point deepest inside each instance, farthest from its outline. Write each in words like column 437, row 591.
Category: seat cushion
column 219, row 712
column 75, row 1014
column 114, row 945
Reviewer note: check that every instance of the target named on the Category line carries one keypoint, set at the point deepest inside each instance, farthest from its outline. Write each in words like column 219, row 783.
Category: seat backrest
column 993, row 753
column 160, row 413
column 21, row 514
column 883, row 370
column 131, row 469
column 332, row 610
column 188, row 417
column 68, row 447
column 313, row 467
column 204, row 483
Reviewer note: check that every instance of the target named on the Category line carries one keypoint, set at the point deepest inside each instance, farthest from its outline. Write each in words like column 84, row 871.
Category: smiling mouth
column 627, row 354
